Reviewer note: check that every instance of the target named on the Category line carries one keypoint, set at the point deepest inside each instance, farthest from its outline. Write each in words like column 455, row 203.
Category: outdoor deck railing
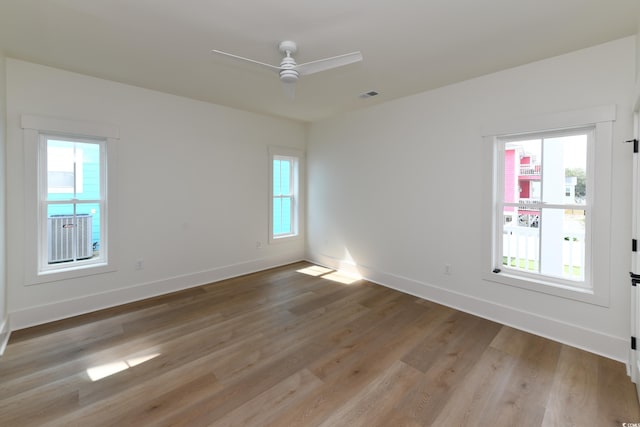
column 528, row 201
column 528, row 170
column 521, row 250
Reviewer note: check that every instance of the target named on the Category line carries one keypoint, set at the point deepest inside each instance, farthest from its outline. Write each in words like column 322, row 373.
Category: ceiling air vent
column 368, row 94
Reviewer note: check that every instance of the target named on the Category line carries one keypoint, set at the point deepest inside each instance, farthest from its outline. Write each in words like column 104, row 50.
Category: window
column 284, row 212
column 72, row 201
column 546, row 234
column 283, row 197
column 550, row 204
column 68, row 227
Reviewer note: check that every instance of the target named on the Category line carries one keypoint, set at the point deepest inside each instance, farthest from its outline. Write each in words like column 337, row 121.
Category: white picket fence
column 521, row 245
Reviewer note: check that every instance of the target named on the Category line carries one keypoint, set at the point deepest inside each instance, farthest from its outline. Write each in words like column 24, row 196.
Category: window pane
column 71, row 236
column 93, row 226
column 551, row 242
column 73, row 170
column 285, row 176
column 521, row 241
column 276, row 178
column 563, row 243
column 88, row 171
column 522, row 171
column 286, row 215
column 281, row 177
column 277, row 215
column 282, row 215
column 565, row 160
column 60, row 170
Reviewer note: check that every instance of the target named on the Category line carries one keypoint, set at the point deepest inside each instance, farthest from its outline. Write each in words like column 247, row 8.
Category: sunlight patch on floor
column 345, row 277
column 342, row 277
column 102, row 371
column 315, row 270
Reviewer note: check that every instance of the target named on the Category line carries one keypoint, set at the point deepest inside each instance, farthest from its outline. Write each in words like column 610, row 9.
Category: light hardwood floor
column 283, row 348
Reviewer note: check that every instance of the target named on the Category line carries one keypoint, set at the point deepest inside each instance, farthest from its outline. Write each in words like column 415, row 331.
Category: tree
column 581, row 184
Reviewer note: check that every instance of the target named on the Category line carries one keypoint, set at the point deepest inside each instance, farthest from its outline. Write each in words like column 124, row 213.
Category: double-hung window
column 72, row 199
column 69, row 198
column 285, row 171
column 544, row 205
column 550, row 205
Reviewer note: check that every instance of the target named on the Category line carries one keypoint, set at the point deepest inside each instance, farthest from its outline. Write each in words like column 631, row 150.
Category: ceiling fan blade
column 328, row 63
column 289, row 90
column 241, row 58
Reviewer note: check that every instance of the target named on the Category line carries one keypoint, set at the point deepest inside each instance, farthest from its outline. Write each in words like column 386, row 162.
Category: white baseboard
column 609, row 346
column 5, row 332
column 63, row 309
column 615, row 348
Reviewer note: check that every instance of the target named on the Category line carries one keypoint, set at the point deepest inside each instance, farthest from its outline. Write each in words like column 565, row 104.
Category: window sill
column 575, row 293
column 70, row 273
column 284, row 238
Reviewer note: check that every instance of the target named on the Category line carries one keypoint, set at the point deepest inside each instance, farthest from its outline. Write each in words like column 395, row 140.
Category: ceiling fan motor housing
column 288, row 47
column 288, row 73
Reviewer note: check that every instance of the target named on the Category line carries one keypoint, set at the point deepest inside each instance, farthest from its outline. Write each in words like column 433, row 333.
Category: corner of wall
column 4, row 320
column 38, row 315
column 566, row 333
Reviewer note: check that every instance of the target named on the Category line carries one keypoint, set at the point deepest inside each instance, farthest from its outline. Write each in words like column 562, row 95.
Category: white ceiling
column 409, row 46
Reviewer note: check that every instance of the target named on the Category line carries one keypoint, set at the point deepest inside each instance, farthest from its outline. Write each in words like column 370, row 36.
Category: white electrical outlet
column 447, row 269
column 139, row 264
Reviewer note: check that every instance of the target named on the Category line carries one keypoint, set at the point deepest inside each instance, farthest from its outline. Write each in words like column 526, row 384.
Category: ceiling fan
column 290, row 71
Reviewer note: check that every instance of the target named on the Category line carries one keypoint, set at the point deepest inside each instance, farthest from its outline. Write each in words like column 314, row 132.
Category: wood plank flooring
column 284, row 348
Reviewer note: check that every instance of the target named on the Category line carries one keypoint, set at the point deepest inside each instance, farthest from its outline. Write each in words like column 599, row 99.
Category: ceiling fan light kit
column 289, row 71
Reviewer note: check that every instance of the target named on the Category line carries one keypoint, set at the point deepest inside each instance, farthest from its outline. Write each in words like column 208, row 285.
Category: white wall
column 397, row 190
column 638, row 59
column 192, row 190
column 4, row 326
column 638, row 52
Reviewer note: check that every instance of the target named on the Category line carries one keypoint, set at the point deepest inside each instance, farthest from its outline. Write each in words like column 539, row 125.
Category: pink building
column 521, row 185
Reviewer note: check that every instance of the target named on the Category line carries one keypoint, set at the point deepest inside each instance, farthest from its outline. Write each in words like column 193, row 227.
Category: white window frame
column 501, row 143
column 297, row 158
column 595, row 289
column 44, row 202
column 36, row 130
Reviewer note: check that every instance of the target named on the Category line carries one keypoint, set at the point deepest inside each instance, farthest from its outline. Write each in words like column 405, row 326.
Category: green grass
column 522, row 263
column 530, row 265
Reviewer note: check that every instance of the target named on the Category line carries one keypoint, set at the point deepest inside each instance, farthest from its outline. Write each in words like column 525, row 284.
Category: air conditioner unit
column 63, row 231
